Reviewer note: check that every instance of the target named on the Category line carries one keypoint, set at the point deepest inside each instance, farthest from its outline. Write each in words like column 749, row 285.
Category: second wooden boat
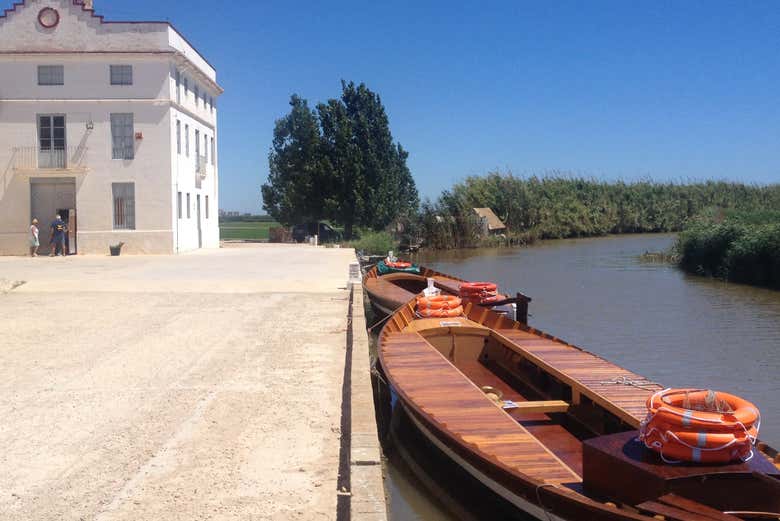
column 388, row 292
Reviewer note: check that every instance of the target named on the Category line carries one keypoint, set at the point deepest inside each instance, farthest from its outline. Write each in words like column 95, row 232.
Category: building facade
column 112, row 125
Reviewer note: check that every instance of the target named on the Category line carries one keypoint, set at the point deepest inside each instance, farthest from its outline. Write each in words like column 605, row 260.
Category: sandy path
column 171, row 405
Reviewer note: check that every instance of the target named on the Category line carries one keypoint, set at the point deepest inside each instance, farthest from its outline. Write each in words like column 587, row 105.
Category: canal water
column 676, row 329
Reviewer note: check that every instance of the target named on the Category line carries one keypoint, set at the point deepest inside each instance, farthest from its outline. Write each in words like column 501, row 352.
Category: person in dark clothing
column 57, row 241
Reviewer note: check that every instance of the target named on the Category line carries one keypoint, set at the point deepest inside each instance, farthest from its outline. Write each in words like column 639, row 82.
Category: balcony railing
column 33, row 159
column 201, row 166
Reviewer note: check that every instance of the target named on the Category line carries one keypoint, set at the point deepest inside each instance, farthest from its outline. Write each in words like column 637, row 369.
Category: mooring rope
column 624, row 380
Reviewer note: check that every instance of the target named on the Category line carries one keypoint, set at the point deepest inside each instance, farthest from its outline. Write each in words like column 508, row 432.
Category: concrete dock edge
column 368, row 490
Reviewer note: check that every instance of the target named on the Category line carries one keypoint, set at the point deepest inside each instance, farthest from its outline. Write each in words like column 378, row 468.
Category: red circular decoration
column 48, row 17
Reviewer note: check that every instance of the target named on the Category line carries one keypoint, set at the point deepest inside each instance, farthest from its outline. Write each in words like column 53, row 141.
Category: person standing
column 34, row 242
column 58, row 229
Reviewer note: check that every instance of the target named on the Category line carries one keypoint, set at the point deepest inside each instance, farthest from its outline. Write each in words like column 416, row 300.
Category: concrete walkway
column 200, row 386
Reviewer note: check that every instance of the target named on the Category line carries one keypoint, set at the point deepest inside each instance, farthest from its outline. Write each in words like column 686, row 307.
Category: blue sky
column 611, row 89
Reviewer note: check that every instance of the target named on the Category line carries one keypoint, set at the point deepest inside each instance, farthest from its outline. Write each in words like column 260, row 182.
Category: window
column 204, row 100
column 197, row 95
column 178, row 136
column 124, row 205
column 121, row 74
column 188, row 205
column 51, row 75
column 178, row 86
column 213, row 151
column 206, row 148
column 186, row 89
column 122, row 138
column 207, row 207
column 197, row 144
column 178, row 204
column 187, row 140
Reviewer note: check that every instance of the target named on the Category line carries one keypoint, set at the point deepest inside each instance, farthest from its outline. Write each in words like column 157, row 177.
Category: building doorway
column 200, row 232
column 48, row 198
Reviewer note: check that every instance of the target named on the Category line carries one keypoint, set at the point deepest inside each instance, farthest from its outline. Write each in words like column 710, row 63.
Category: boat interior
column 553, row 413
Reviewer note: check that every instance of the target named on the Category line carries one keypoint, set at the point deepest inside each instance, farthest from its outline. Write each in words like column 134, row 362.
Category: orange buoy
column 399, row 265
column 439, row 306
column 701, row 426
column 476, row 288
column 479, row 292
column 438, row 302
column 441, row 313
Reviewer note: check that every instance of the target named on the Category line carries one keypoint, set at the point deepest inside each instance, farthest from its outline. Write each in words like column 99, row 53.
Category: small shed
column 491, row 224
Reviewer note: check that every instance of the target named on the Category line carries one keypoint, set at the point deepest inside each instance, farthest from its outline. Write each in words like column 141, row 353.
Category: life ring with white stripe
column 701, row 426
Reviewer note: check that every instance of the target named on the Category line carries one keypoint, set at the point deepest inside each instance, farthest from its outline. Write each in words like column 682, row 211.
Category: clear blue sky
column 612, row 89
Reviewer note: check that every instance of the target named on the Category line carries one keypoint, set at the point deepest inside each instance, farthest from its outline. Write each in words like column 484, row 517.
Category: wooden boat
column 568, row 450
column 391, row 291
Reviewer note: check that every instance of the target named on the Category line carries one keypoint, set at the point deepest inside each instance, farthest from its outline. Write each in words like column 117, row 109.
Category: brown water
column 677, row 329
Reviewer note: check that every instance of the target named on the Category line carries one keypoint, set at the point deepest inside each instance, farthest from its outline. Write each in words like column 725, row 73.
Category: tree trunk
column 348, row 231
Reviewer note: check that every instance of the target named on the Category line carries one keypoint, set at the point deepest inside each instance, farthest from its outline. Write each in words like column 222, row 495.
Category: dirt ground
column 204, row 386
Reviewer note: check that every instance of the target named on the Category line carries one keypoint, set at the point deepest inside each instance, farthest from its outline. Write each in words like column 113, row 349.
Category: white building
column 111, row 124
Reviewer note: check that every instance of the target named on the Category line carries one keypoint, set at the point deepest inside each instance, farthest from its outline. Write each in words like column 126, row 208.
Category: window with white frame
column 197, row 94
column 121, row 74
column 178, row 86
column 206, row 147
column 124, row 205
column 178, row 136
column 213, row 151
column 186, row 89
column 51, row 75
column 207, row 207
column 178, row 204
column 187, row 140
column 122, row 136
column 188, row 205
column 197, row 145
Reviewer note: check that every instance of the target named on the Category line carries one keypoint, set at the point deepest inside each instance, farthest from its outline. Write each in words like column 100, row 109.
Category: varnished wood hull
column 473, row 446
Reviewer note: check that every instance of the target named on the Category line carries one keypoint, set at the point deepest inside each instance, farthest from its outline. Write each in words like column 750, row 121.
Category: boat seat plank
column 694, row 506
column 456, row 405
column 618, row 390
column 678, row 514
column 542, row 406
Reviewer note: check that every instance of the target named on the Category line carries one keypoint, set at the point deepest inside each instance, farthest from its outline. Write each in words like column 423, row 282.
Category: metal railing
column 33, row 158
column 201, row 166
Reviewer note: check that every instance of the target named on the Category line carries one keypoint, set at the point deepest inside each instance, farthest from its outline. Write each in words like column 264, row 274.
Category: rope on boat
column 640, row 384
column 546, row 511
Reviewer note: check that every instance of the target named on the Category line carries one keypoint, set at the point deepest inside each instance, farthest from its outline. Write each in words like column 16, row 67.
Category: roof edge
column 101, row 18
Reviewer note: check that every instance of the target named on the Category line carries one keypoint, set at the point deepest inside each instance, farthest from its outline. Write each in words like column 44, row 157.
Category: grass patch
column 254, row 231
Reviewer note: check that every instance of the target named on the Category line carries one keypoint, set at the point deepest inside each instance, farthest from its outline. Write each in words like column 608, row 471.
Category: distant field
column 257, row 231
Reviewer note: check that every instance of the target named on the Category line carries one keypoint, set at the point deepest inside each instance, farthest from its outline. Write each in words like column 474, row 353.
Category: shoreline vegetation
column 559, row 206
column 734, row 246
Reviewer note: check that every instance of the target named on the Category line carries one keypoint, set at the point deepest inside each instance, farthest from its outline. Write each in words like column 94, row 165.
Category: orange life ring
column 438, row 302
column 400, row 265
column 680, row 427
column 441, row 313
column 477, row 287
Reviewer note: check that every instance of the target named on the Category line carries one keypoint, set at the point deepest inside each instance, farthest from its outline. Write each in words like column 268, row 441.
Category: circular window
column 48, row 17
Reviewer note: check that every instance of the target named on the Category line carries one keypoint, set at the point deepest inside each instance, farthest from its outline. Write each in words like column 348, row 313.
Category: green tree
column 297, row 170
column 369, row 183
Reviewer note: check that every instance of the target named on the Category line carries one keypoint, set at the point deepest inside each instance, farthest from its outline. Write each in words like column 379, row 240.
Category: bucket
column 116, row 249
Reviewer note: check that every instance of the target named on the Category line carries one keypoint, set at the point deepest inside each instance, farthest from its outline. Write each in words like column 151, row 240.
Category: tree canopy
column 338, row 163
